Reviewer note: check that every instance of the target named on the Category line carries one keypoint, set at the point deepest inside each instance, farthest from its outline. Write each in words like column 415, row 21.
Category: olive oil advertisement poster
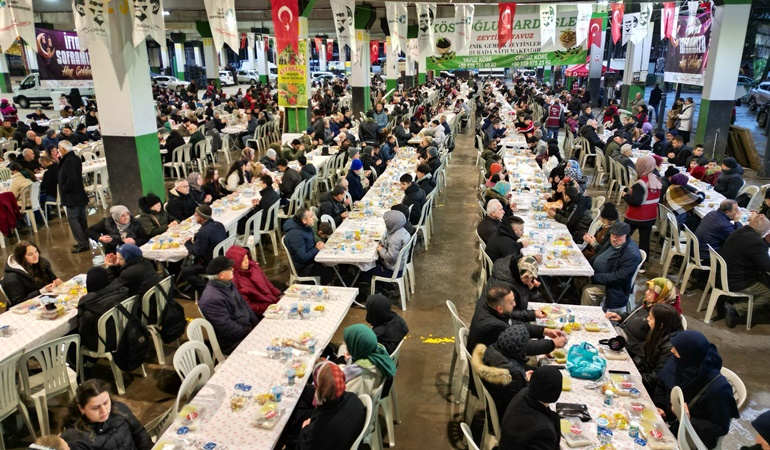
column 524, row 50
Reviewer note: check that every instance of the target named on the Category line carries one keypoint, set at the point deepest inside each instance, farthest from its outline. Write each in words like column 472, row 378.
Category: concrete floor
column 446, row 272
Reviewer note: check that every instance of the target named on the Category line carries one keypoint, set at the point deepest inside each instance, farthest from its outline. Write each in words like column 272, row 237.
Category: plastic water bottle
column 96, row 254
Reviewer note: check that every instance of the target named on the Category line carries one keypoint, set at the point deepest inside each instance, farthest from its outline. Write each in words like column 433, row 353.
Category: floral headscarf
column 666, row 292
column 572, row 170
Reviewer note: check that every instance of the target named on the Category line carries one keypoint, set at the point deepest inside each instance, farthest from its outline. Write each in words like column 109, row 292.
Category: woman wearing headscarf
column 153, row 219
column 368, row 363
column 502, row 367
column 120, row 228
column 500, row 193
column 708, row 396
column 101, row 297
column 338, row 417
column 642, row 199
column 644, row 141
column 195, row 181
column 573, row 172
column 634, row 326
column 665, row 322
column 251, row 281
column 389, row 327
column 495, row 168
column 682, row 198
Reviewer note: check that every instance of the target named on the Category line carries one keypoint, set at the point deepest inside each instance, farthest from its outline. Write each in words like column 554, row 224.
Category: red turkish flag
column 374, row 51
column 319, row 45
column 329, row 49
column 669, row 19
column 617, row 20
column 267, row 43
column 244, row 40
column 505, row 23
column 595, row 32
column 286, row 24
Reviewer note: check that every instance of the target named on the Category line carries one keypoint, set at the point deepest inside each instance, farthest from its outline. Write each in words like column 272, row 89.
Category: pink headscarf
column 644, row 167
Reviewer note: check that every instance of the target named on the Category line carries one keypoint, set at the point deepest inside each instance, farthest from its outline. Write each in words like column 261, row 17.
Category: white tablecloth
column 594, row 399
column 249, row 365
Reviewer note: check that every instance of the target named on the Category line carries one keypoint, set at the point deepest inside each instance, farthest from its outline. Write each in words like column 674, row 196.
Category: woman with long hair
column 212, row 186
column 664, row 322
column 235, row 176
column 26, row 273
column 95, row 421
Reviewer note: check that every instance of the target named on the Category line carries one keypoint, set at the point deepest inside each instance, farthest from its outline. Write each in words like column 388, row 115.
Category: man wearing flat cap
column 222, row 305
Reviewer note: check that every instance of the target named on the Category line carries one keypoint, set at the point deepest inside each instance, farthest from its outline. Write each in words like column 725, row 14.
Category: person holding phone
column 27, row 274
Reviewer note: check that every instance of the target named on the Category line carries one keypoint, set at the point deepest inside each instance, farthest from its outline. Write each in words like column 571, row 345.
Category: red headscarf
column 252, row 283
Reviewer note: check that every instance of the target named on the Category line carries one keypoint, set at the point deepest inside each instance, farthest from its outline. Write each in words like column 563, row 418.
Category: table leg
column 339, row 277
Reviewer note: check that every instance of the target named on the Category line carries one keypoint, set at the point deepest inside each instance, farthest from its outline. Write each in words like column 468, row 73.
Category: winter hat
column 204, row 211
column 353, row 151
column 609, row 212
column 219, row 264
column 527, row 265
column 309, row 130
column 679, row 179
column 512, row 342
column 502, row 188
column 97, row 278
column 545, row 384
column 671, row 171
column 660, row 135
column 271, row 153
column 762, row 425
column 148, row 201
column 658, row 160
column 356, row 165
column 117, row 211
column 620, row 229
column 129, row 251
column 433, row 152
column 495, row 168
column 730, row 162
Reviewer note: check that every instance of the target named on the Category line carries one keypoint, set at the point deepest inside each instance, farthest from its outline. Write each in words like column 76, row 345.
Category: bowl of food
column 568, row 38
column 443, row 45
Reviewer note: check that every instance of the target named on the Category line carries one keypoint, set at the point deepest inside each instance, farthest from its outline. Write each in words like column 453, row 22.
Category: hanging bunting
column 426, row 14
column 547, row 24
column 92, row 22
column 630, row 26
column 463, row 26
column 329, row 49
column 617, row 20
column 595, row 32
column 583, row 21
column 342, row 10
column 17, row 20
column 505, row 11
column 286, row 20
column 374, row 51
column 398, row 20
column 668, row 19
column 224, row 27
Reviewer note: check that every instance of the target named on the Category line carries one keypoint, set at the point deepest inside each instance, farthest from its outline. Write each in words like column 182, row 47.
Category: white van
column 30, row 91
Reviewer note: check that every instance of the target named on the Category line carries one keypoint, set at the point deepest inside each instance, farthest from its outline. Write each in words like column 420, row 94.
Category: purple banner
column 60, row 61
column 688, row 48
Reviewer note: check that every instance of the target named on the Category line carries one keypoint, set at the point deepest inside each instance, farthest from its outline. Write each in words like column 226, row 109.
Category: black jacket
column 228, row 312
column 427, row 183
column 319, row 127
column 19, row 285
column 577, row 216
column 308, row 171
column 50, row 182
column 179, row 206
column 332, row 208
column 121, row 431
column 334, row 425
column 413, row 195
column 402, row 135
column 660, row 148
column 268, row 197
column 108, row 227
column 71, row 187
column 617, row 280
column 289, row 182
column 208, row 236
column 745, row 253
column 503, row 243
column 369, row 132
column 503, row 378
column 138, row 275
column 434, row 164
column 589, row 132
column 90, row 309
column 487, row 325
column 528, row 424
column 730, row 182
column 487, row 227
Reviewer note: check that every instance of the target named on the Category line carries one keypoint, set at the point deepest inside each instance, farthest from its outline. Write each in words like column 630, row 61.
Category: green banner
column 557, row 58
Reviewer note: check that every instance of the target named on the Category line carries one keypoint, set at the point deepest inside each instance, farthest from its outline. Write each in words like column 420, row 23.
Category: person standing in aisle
column 73, row 195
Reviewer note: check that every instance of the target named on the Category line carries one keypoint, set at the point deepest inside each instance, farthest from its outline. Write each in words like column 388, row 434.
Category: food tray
column 574, row 433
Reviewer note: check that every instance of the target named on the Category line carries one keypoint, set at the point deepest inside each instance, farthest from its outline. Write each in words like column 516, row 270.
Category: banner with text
column 688, row 48
column 224, row 26
column 60, row 59
column 524, row 49
column 149, row 21
column 292, row 76
column 16, row 20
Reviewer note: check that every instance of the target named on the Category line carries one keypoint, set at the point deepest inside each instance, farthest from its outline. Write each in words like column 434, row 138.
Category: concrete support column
column 322, row 57
column 198, row 59
column 422, row 68
column 359, row 78
column 391, row 64
column 210, row 61
column 596, row 57
column 31, row 59
column 297, row 119
column 179, row 57
column 635, row 71
column 154, row 55
column 165, row 64
column 728, row 31
column 262, row 68
column 127, row 121
column 250, row 51
column 5, row 76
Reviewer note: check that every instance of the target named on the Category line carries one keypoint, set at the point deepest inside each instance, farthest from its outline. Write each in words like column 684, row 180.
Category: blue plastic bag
column 584, row 362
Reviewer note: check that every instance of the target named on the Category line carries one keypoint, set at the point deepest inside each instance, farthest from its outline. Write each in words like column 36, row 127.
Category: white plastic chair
column 490, row 438
column 330, row 220
column 293, row 277
column 191, row 384
column 686, row 436
column 597, row 202
column 631, row 300
column 224, row 246
column 468, row 436
column 55, row 378
column 675, row 244
column 158, row 294
column 189, row 355
column 692, row 259
column 118, row 325
column 389, row 403
column 684, row 321
column 30, row 203
column 9, row 394
column 250, row 238
column 195, row 331
column 367, row 401
column 56, row 203
column 457, row 324
column 271, row 226
column 718, row 266
column 739, row 388
column 5, row 173
column 295, row 202
column 373, row 434
column 471, row 401
column 399, row 274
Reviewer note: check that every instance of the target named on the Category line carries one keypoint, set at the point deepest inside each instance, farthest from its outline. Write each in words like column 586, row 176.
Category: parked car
column 226, row 78
column 759, row 95
column 764, row 110
column 166, row 81
column 247, row 76
column 748, row 83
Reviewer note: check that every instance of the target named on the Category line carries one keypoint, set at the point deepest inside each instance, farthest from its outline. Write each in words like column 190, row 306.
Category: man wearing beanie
column 269, row 160
column 608, row 216
column 529, row 422
column 128, row 268
column 730, row 181
column 762, row 426
column 101, row 297
column 222, row 305
column 355, row 185
column 201, row 247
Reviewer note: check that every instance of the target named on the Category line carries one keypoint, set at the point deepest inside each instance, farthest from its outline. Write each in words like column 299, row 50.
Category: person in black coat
column 172, row 141
column 355, row 186
column 26, row 273
column 88, row 426
column 425, row 180
column 389, row 327
column 413, row 196
column 201, row 246
column 181, row 204
column 101, row 297
column 506, row 240
column 268, row 196
column 333, row 205
column 762, row 426
column 528, row 422
column 576, row 213
column 666, row 322
column 369, row 131
column 307, row 171
column 120, row 228
column 487, row 227
column 129, row 268
column 73, row 195
column 49, row 185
